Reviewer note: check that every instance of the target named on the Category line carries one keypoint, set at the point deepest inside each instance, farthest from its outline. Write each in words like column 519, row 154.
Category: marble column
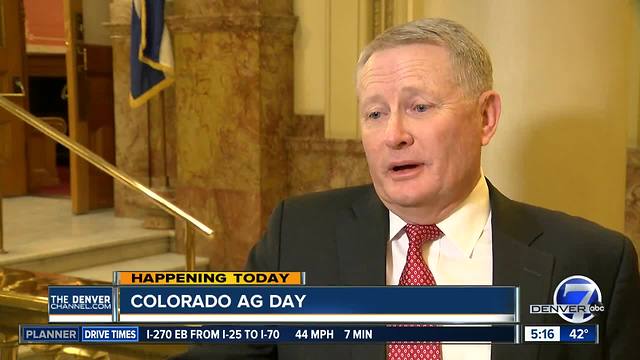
column 145, row 136
column 234, row 95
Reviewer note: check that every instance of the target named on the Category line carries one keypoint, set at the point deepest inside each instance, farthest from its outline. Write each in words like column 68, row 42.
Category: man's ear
column 490, row 106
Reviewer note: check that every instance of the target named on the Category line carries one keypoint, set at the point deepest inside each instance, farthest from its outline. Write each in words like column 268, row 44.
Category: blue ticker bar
column 270, row 334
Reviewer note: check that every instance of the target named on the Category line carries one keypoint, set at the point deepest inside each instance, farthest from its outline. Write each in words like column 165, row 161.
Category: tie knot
column 418, row 234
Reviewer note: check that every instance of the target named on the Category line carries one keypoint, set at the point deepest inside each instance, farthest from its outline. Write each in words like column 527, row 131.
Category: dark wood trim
column 46, row 65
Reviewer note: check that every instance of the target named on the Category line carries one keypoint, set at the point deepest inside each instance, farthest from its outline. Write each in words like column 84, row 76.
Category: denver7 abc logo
column 577, row 299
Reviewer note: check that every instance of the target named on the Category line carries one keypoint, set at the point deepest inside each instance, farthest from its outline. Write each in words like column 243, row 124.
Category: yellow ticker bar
column 207, row 278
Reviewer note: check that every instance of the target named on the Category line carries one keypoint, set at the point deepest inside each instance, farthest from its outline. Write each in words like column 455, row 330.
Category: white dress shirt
column 463, row 256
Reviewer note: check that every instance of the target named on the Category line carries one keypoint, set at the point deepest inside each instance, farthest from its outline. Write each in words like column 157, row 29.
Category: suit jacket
column 339, row 238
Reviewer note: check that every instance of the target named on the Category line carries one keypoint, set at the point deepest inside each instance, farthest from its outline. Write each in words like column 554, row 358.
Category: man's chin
column 410, row 194
column 405, row 200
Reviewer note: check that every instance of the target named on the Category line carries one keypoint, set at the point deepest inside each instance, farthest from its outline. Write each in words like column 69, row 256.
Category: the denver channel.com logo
column 577, row 299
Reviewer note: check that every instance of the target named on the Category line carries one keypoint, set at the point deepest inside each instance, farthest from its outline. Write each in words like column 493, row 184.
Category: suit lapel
column 515, row 262
column 361, row 242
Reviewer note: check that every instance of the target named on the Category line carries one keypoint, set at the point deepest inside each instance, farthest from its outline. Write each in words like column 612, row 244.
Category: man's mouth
column 404, row 167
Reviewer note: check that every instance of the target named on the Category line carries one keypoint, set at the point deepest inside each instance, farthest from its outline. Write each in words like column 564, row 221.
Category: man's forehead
column 407, row 71
column 420, row 64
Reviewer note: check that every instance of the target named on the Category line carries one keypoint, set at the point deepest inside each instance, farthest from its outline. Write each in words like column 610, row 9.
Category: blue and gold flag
column 151, row 53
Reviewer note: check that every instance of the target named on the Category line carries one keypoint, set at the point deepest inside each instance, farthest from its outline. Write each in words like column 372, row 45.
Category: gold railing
column 190, row 222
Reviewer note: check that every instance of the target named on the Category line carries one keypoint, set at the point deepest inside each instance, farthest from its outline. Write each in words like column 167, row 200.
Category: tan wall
column 96, row 13
column 327, row 41
column 564, row 71
column 309, row 44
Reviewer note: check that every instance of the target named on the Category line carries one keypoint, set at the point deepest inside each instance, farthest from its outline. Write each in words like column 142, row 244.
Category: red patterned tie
column 416, row 272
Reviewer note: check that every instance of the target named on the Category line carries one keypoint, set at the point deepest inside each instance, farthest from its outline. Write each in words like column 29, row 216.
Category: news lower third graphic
column 282, row 304
column 577, row 299
column 277, row 307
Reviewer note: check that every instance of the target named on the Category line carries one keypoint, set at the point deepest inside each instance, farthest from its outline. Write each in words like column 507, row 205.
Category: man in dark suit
column 426, row 109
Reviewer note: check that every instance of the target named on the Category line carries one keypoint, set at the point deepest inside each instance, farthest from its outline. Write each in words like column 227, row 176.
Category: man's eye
column 375, row 115
column 421, row 107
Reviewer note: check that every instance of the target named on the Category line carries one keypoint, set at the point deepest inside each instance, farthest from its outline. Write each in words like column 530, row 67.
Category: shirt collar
column 464, row 226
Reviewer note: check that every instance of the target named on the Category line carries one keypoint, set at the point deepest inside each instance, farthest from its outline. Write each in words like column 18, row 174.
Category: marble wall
column 315, row 163
column 234, row 97
column 321, row 164
column 309, row 126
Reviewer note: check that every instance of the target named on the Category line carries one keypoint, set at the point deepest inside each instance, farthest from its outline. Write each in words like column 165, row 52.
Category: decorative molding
column 118, row 30
column 326, row 146
column 389, row 13
column 377, row 23
column 383, row 15
column 234, row 22
column 120, row 12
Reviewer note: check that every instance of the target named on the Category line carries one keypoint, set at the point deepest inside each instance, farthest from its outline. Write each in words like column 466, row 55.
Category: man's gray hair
column 470, row 60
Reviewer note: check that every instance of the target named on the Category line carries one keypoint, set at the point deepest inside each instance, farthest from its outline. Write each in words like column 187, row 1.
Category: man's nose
column 396, row 134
